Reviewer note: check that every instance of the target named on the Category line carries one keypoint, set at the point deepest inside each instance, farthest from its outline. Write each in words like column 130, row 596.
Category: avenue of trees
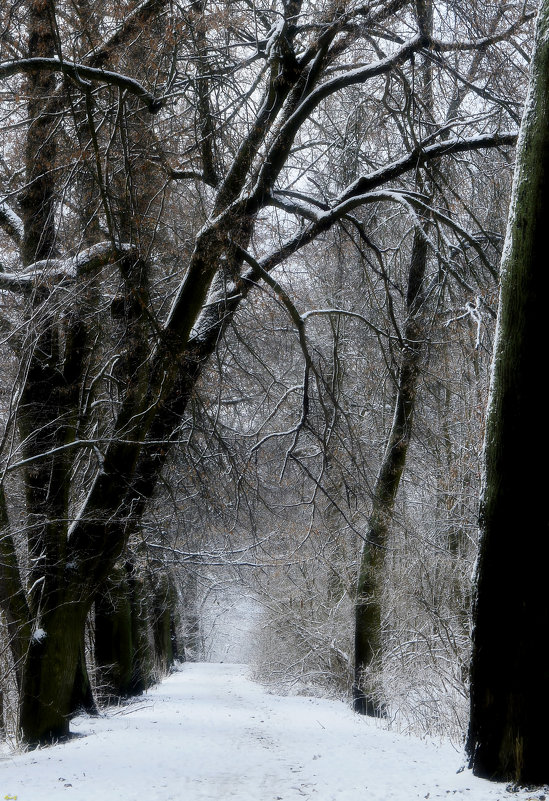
column 249, row 276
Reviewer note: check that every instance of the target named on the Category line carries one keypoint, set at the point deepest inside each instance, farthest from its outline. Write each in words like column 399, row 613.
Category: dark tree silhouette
column 508, row 737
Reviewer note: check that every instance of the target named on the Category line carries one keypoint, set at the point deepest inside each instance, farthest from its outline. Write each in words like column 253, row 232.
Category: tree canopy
column 167, row 171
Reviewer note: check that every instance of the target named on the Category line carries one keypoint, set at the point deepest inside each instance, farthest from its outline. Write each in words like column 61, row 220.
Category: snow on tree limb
column 82, row 73
column 50, row 272
column 11, row 222
column 361, row 191
column 354, row 77
column 420, row 155
column 452, row 46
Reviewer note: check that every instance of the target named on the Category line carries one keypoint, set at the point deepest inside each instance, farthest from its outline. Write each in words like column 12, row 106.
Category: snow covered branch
column 360, row 75
column 420, row 155
column 361, row 191
column 82, row 73
column 452, row 46
column 11, row 222
column 51, row 272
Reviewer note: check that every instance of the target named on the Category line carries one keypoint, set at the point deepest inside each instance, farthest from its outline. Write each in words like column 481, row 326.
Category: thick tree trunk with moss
column 508, row 736
column 114, row 649
column 49, row 673
column 55, row 611
column 142, row 641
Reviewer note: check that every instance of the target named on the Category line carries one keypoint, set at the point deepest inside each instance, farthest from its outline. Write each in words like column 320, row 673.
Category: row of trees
column 185, row 184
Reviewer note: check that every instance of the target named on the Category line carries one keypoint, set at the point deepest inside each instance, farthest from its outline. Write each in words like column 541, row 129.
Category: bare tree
column 158, row 162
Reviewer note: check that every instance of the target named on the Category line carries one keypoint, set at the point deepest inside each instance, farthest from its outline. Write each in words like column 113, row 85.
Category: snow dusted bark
column 47, row 66
column 11, row 222
column 49, row 665
column 508, row 735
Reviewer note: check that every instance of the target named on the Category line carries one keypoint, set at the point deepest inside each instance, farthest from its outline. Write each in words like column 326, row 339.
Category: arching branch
column 80, row 73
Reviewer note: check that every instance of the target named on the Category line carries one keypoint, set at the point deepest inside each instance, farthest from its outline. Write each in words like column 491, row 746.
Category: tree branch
column 420, row 155
column 51, row 272
column 80, row 72
column 11, row 222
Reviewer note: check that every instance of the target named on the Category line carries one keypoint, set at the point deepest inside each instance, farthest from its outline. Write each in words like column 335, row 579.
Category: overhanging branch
column 49, row 273
column 11, row 222
column 80, row 73
column 421, row 155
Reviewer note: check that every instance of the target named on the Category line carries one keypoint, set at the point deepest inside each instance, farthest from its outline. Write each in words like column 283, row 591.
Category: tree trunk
column 508, row 737
column 143, row 656
column 113, row 638
column 367, row 696
column 129, row 636
column 49, row 674
column 82, row 699
column 367, row 700
column 13, row 600
column 45, row 421
column 163, row 614
column 192, row 646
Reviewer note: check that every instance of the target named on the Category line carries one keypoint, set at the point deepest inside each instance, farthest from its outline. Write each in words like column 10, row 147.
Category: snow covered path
column 208, row 733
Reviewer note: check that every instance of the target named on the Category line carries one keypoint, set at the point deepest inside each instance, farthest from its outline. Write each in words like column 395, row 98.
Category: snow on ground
column 207, row 732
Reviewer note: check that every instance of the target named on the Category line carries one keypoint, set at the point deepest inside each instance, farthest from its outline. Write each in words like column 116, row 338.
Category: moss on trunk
column 508, row 737
column 113, row 638
column 49, row 673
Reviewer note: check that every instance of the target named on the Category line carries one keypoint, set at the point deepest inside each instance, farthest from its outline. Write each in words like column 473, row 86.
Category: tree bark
column 114, row 651
column 143, row 656
column 508, row 737
column 49, row 674
column 367, row 700
column 49, row 665
column 164, row 603
column 82, row 699
column 367, row 695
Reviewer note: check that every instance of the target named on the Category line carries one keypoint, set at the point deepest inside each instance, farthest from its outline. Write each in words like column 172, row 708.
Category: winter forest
column 272, row 324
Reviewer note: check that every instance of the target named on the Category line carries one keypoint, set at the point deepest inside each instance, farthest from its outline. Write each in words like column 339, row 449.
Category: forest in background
column 249, row 280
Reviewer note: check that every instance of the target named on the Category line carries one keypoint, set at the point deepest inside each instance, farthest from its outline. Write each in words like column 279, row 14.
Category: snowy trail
column 208, row 733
